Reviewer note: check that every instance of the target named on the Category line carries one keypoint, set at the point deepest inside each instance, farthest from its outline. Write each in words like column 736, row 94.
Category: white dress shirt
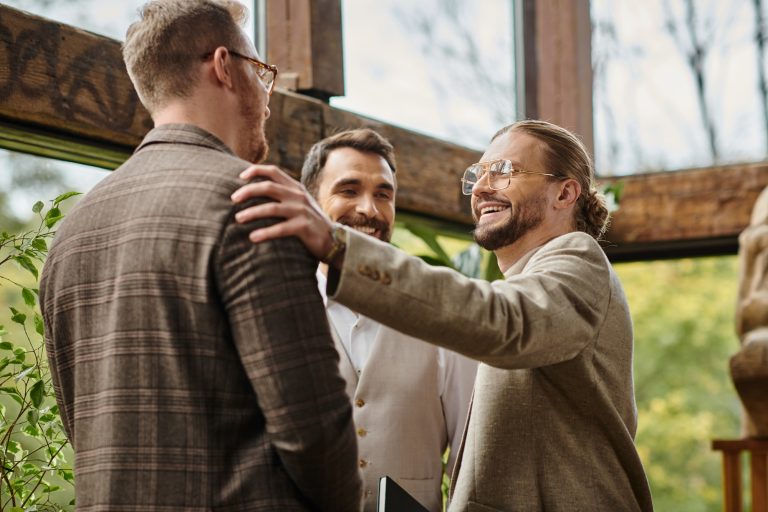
column 456, row 373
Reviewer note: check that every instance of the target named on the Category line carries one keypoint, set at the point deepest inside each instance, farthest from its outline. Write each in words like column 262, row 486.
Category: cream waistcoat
column 398, row 416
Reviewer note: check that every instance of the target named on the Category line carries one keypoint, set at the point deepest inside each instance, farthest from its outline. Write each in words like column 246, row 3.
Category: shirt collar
column 321, row 283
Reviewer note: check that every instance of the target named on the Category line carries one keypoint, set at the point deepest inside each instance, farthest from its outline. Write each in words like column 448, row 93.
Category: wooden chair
column 758, row 452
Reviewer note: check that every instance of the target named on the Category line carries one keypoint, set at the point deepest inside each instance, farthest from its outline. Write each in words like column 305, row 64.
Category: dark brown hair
column 361, row 139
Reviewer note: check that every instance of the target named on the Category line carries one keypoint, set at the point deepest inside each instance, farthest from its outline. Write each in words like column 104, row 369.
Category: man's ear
column 222, row 67
column 569, row 191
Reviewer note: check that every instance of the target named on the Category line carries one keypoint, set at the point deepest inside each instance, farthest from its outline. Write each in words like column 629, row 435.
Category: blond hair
column 171, row 36
column 566, row 156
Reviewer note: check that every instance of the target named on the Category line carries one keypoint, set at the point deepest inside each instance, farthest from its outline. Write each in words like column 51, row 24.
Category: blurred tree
column 467, row 63
column 683, row 314
column 24, row 177
column 762, row 82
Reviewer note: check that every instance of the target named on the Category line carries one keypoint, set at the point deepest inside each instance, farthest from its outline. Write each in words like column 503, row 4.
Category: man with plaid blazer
column 193, row 369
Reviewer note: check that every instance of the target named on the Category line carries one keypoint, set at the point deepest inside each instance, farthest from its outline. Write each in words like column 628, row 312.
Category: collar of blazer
column 183, row 134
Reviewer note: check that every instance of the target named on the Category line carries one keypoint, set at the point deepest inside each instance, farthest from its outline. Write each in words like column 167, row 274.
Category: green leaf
column 20, row 354
column 430, row 238
column 26, row 263
column 39, row 327
column 492, row 271
column 65, row 195
column 37, row 393
column 613, row 193
column 39, row 244
column 38, row 207
column 52, row 217
column 17, row 316
column 31, row 431
column 30, row 469
column 13, row 446
column 431, row 260
column 6, row 345
column 28, row 296
column 33, row 416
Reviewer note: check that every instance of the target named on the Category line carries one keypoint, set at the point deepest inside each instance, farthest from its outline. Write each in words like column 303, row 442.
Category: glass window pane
column 444, row 68
column 25, row 179
column 102, row 17
column 677, row 84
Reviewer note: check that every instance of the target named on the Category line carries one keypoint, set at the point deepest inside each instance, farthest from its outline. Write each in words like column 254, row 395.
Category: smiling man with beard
column 410, row 398
column 553, row 417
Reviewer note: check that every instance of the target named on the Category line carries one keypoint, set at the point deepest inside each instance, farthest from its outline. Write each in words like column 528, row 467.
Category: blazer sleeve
column 544, row 315
column 281, row 333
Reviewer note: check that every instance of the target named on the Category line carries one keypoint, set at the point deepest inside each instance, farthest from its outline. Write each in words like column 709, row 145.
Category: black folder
column 393, row 498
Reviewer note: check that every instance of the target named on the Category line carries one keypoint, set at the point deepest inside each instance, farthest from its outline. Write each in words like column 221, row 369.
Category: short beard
column 260, row 151
column 256, row 143
column 257, row 139
column 385, row 233
column 524, row 216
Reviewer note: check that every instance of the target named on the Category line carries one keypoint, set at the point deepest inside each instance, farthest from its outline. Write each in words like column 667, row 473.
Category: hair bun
column 595, row 215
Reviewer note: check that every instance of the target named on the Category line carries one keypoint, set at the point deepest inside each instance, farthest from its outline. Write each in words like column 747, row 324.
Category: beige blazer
column 553, row 417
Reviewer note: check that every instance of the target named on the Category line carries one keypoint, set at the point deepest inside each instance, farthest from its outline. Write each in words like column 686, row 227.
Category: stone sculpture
column 749, row 367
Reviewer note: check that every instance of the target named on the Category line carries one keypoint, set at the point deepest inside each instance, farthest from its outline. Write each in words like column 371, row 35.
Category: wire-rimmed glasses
column 267, row 73
column 500, row 173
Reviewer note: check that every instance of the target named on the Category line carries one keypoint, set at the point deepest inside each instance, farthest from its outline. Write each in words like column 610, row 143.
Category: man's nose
column 367, row 206
column 267, row 112
column 482, row 185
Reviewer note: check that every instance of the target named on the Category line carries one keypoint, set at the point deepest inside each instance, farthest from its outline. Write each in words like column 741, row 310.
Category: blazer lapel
column 345, row 362
column 459, row 456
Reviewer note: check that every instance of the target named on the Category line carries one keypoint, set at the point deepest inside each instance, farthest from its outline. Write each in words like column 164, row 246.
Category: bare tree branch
column 762, row 83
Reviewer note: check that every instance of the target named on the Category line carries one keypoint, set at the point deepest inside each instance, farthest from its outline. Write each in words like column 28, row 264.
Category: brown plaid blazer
column 193, row 369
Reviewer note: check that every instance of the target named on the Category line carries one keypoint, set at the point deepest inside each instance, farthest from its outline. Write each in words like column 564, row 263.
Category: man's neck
column 187, row 112
column 511, row 254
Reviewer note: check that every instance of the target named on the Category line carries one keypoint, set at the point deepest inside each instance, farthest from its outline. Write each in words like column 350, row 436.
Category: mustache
column 362, row 221
column 488, row 198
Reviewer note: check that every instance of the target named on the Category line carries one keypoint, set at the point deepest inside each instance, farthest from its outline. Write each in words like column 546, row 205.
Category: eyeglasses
column 500, row 173
column 267, row 73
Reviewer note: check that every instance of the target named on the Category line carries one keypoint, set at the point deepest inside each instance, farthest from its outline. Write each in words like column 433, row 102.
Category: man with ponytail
column 553, row 418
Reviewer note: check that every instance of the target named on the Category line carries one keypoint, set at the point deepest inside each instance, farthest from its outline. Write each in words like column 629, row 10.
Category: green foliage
column 33, row 444
column 683, row 314
column 470, row 259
